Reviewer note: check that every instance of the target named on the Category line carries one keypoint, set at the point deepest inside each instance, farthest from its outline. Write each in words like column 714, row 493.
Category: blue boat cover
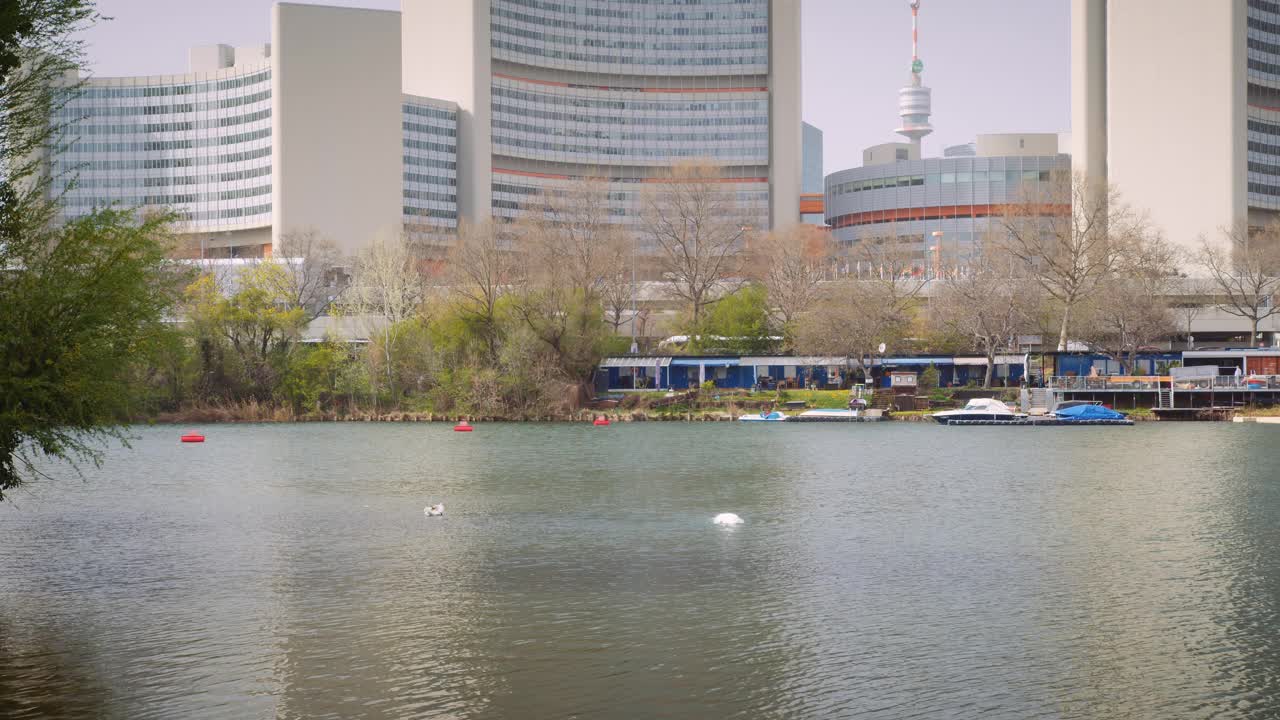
column 1089, row 412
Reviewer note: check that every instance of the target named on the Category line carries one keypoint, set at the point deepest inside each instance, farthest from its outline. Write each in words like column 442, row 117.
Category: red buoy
column 601, row 421
column 462, row 426
column 193, row 437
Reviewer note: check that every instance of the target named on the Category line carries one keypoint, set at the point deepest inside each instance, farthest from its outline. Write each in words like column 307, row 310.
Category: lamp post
column 635, row 347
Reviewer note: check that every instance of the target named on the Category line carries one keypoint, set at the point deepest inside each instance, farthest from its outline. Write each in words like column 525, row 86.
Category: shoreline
column 582, row 416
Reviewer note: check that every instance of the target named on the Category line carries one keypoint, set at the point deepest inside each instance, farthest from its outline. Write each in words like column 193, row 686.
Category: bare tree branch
column 697, row 229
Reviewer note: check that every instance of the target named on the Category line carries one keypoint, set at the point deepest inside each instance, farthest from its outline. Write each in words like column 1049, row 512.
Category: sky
column 994, row 65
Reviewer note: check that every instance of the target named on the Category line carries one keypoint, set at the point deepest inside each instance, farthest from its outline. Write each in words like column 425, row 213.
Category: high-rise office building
column 361, row 124
column 549, row 91
column 1176, row 103
column 939, row 209
column 310, row 132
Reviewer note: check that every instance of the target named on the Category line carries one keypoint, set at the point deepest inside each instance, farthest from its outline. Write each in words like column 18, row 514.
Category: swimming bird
column 433, row 510
column 727, row 519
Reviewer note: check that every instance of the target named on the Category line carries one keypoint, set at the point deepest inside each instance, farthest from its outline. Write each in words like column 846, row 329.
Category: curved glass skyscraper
column 333, row 126
column 553, row 90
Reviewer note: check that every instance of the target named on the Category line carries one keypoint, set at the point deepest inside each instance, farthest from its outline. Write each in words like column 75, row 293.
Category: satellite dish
column 881, row 347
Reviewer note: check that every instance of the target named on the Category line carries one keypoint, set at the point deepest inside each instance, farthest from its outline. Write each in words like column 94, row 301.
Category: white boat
column 981, row 411
column 774, row 416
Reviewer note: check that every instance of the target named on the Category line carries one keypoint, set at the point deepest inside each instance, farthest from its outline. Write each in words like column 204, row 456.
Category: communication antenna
column 915, row 101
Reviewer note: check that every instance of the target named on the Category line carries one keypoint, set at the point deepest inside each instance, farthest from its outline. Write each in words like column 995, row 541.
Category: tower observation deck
column 915, row 101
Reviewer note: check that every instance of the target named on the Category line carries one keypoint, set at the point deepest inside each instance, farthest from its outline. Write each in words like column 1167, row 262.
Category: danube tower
column 914, row 100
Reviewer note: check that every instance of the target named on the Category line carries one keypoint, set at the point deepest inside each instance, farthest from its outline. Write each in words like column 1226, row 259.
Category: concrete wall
column 784, row 113
column 1174, row 108
column 336, row 123
column 885, row 153
column 208, row 58
column 1017, row 144
column 253, row 55
column 446, row 55
column 1089, row 88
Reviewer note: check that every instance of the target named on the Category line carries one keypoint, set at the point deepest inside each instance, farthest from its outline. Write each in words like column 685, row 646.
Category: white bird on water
column 727, row 519
column 434, row 510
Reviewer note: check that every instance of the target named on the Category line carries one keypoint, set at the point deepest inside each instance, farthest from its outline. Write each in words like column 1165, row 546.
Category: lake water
column 884, row 571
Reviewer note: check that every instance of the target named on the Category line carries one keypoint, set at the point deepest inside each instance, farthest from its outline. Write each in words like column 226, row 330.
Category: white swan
column 727, row 519
column 433, row 510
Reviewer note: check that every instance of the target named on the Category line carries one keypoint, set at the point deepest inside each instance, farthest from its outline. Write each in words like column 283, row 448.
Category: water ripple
column 883, row 572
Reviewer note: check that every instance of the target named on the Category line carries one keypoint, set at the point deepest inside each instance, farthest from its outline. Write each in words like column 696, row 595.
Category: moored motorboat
column 763, row 416
column 1089, row 415
column 981, row 411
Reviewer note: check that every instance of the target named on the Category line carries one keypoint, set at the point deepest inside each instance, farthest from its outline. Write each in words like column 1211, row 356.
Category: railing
column 1109, row 383
column 1123, row 383
column 1229, row 382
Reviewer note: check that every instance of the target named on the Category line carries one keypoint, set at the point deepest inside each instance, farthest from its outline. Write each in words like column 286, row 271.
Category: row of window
column 1261, row 189
column 431, row 195
column 165, row 200
column 500, row 108
column 617, row 196
column 643, row 26
column 420, row 161
column 1262, row 66
column 945, row 178
column 1260, row 147
column 760, row 153
column 76, row 109
column 1264, row 127
column 632, row 106
column 646, row 10
column 169, row 181
column 1262, row 46
column 157, row 163
column 225, row 213
column 1263, row 25
column 1265, row 6
column 101, row 91
column 843, row 221
column 684, row 61
column 615, row 43
column 1264, row 169
column 425, row 212
column 430, row 111
column 166, row 145
column 428, row 129
column 413, row 144
column 429, row 179
column 179, row 126
column 618, row 136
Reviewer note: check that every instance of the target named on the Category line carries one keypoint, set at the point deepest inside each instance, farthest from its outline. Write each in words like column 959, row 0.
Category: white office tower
column 549, row 92
column 915, row 101
column 364, row 124
column 1176, row 103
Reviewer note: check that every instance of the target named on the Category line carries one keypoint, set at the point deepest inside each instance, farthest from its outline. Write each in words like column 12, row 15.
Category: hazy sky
column 994, row 65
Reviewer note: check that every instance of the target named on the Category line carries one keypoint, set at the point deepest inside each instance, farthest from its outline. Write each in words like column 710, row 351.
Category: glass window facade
column 620, row 88
column 200, row 146
column 909, row 201
column 430, row 167
column 1263, row 70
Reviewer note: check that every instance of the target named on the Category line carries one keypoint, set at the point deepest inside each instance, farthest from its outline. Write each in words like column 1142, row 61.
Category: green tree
column 310, row 380
column 75, row 315
column 737, row 323
column 258, row 322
